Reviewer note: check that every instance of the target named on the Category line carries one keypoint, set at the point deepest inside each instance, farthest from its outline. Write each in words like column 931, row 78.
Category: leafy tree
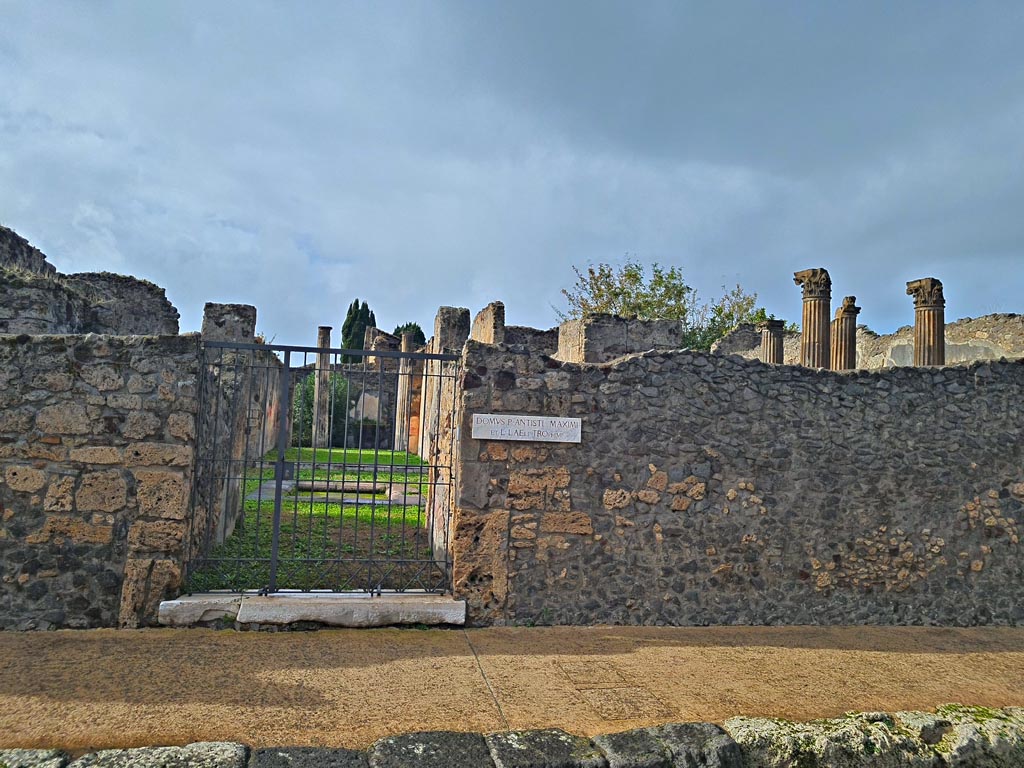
column 626, row 291
column 358, row 318
column 302, row 410
column 414, row 328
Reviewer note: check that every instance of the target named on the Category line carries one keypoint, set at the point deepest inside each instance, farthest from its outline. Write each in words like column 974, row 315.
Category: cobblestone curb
column 954, row 736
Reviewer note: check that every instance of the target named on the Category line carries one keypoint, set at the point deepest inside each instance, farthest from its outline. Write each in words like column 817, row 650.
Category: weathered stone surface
column 32, row 758
column 104, row 491
column 65, row 419
column 982, row 736
column 187, row 610
column 640, row 748
column 160, row 493
column 158, row 455
column 166, row 536
column 147, row 581
column 198, row 755
column 435, row 749
column 68, row 504
column 855, row 741
column 307, row 757
column 548, row 748
column 700, row 745
column 789, row 495
column 97, row 454
column 354, row 611
column 24, row 479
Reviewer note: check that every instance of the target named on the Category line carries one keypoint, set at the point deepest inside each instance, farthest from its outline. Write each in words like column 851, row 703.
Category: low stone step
column 329, row 609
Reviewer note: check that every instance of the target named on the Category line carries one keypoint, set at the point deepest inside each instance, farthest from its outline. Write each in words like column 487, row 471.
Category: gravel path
column 348, row 688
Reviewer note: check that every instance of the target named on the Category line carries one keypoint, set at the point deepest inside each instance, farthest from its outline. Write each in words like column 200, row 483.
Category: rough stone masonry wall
column 715, row 490
column 18, row 253
column 96, row 451
column 36, row 299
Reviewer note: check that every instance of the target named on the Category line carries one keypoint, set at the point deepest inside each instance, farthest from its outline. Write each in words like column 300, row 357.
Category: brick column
column 322, row 390
column 402, row 407
column 929, row 321
column 814, row 338
column 771, row 341
column 844, row 336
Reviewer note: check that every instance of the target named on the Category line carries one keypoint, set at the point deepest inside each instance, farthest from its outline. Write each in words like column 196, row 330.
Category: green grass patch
column 323, row 546
column 341, row 456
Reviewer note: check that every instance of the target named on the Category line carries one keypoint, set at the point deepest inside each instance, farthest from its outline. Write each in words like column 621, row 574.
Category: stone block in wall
column 489, row 324
column 160, row 493
column 602, row 338
column 147, row 581
column 228, row 322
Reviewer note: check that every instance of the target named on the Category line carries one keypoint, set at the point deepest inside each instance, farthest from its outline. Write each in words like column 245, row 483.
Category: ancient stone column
column 844, row 336
column 929, row 321
column 322, row 390
column 402, row 407
column 771, row 341
column 815, row 331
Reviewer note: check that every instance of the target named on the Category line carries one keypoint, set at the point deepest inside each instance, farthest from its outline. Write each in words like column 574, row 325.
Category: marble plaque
column 510, row 426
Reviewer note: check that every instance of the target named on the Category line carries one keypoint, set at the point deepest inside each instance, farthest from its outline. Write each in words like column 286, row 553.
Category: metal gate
column 322, row 470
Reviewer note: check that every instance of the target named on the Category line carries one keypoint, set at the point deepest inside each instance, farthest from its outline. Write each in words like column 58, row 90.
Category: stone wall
column 600, row 338
column 125, row 305
column 36, row 299
column 96, row 452
column 715, row 490
column 983, row 338
column 17, row 253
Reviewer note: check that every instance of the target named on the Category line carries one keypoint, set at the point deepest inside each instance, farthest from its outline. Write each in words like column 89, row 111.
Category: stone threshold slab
column 334, row 609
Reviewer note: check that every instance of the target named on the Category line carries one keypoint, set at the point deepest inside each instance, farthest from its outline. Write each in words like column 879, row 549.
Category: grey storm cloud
column 296, row 156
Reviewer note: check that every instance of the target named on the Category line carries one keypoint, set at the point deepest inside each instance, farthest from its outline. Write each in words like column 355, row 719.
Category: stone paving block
column 639, row 748
column 433, row 749
column 700, row 745
column 307, row 757
column 210, row 754
column 548, row 748
column 32, row 758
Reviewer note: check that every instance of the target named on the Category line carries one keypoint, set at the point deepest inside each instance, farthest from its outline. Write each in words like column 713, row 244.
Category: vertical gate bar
column 282, row 439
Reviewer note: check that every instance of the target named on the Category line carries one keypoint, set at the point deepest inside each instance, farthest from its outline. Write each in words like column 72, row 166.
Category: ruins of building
column 703, row 489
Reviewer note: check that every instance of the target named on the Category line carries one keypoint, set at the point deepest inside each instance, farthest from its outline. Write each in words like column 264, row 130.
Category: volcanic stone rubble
column 951, row 737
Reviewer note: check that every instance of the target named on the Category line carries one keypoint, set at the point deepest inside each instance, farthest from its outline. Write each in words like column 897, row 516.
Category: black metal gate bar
column 377, row 518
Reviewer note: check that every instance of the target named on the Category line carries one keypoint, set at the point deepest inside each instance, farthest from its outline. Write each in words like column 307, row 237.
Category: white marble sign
column 510, row 426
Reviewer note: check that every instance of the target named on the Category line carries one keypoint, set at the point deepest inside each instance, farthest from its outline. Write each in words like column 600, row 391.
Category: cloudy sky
column 298, row 155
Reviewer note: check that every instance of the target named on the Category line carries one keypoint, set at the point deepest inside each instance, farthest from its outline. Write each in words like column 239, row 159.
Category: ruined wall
column 40, row 304
column 489, row 324
column 36, row 299
column 438, row 447
column 96, row 451
column 237, row 399
column 540, row 342
column 600, row 338
column 983, row 338
column 713, row 490
column 16, row 252
column 125, row 305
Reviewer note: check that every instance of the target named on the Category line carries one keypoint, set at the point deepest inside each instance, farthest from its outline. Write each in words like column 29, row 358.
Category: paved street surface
column 348, row 688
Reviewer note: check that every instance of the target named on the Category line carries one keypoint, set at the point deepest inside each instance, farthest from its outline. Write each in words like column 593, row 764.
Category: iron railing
column 322, row 469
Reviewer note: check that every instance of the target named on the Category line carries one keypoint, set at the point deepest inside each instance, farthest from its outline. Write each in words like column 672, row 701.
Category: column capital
column 927, row 292
column 771, row 325
column 848, row 308
column 815, row 282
